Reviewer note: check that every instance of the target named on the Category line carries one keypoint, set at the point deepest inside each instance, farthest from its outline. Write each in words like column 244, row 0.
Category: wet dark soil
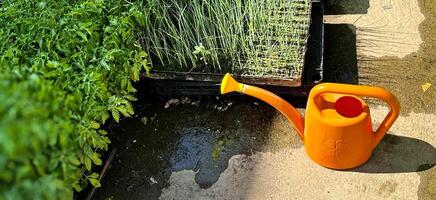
column 198, row 135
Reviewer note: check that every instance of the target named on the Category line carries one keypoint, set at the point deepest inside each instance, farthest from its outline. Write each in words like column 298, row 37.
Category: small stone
column 196, row 103
column 153, row 181
column 130, row 187
column 134, row 141
column 144, row 120
column 186, row 100
column 171, row 102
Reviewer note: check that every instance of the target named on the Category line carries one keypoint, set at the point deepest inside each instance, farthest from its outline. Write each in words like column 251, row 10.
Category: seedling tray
column 296, row 82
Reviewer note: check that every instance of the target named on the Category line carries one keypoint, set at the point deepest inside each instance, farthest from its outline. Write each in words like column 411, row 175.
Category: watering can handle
column 367, row 91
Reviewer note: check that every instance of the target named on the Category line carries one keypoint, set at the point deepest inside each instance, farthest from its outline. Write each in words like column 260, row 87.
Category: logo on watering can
column 333, row 148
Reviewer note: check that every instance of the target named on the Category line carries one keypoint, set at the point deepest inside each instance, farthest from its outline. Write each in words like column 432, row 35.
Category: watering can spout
column 229, row 84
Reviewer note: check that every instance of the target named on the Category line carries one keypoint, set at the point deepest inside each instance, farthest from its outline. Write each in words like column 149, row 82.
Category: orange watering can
column 337, row 131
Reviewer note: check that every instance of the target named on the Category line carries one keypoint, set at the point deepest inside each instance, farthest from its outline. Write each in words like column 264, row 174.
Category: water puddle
column 197, row 135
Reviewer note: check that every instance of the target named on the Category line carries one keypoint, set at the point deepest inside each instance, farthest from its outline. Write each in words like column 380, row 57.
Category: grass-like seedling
column 249, row 37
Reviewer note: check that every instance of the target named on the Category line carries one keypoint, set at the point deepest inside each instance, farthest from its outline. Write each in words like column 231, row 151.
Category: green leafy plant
column 65, row 68
column 201, row 53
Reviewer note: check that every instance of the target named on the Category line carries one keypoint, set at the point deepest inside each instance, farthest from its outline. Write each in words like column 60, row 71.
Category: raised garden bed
column 203, row 83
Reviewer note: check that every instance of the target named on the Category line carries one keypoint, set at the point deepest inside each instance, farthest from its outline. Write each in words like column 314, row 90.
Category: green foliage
column 65, row 67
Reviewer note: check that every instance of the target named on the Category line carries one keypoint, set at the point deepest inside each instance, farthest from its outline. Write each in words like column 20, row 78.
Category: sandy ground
column 390, row 28
column 401, row 166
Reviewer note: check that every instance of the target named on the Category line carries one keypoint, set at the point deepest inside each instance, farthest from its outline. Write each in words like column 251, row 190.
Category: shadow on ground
column 340, row 57
column 399, row 154
column 341, row 7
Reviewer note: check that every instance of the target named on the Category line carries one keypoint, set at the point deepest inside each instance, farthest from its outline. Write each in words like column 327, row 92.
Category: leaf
column 104, row 117
column 135, row 75
column 94, row 125
column 52, row 64
column 88, row 163
column 77, row 187
column 82, row 35
column 143, row 55
column 96, row 159
column 124, row 111
column 104, row 64
column 95, row 182
column 116, row 115
column 147, row 68
column 130, row 97
column 102, row 132
column 425, row 86
column 63, row 140
column 73, row 160
column 93, row 175
column 130, row 88
column 129, row 108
